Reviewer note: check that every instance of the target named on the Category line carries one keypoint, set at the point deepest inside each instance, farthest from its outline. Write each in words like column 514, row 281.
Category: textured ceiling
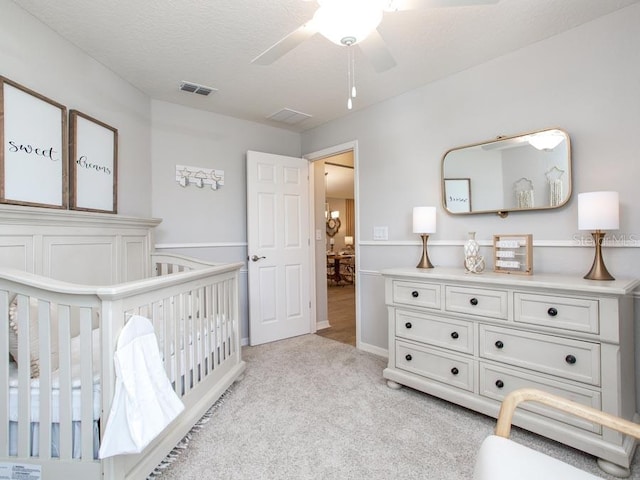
column 156, row 44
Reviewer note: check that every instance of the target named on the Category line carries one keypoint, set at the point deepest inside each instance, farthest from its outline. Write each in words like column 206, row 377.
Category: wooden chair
column 331, row 269
column 500, row 458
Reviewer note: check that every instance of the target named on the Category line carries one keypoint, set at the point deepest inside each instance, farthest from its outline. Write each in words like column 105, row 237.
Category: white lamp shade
column 598, row 211
column 424, row 219
column 335, row 214
column 348, row 240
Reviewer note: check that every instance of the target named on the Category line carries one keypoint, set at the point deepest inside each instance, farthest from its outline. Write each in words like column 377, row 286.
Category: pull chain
column 351, row 70
column 349, row 79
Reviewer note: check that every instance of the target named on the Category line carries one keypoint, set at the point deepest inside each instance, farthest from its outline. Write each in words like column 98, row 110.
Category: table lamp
column 598, row 211
column 348, row 242
column 424, row 223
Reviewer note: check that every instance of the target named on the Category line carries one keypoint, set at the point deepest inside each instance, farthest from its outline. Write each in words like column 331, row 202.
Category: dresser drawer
column 496, row 382
column 578, row 314
column 416, row 294
column 435, row 330
column 449, row 369
column 477, row 301
column 558, row 356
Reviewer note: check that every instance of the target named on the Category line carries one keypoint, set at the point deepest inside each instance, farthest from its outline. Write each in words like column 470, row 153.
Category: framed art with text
column 33, row 157
column 93, row 165
column 457, row 193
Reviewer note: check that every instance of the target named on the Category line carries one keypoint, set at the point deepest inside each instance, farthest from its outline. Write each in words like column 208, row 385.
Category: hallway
column 342, row 314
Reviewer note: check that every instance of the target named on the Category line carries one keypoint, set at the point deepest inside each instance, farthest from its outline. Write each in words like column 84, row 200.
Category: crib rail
column 167, row 263
column 73, row 331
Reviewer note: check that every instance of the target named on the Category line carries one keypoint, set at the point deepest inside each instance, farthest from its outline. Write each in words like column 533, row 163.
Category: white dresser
column 472, row 338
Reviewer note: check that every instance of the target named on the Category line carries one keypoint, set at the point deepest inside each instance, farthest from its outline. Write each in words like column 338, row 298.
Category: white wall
column 36, row 57
column 201, row 222
column 591, row 92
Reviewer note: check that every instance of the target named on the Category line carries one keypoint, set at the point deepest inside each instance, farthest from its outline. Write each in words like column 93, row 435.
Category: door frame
column 320, row 155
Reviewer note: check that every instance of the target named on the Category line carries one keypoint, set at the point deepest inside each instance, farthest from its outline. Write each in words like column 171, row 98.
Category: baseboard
column 366, row 347
column 323, row 324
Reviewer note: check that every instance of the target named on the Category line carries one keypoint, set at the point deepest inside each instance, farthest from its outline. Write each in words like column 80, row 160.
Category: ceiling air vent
column 288, row 116
column 196, row 88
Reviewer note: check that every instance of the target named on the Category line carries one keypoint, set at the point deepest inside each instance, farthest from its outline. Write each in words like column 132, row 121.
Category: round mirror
column 333, row 225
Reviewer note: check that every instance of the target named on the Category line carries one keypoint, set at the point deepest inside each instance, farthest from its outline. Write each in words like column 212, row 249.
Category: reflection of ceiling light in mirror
column 546, row 140
column 339, row 19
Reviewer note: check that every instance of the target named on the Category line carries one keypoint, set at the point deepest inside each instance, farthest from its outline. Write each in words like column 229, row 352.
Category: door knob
column 255, row 258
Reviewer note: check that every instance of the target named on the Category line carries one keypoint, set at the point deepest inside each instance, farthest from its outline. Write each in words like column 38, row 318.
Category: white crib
column 57, row 374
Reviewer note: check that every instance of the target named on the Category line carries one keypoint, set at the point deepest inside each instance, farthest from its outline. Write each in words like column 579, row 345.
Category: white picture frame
column 33, row 155
column 93, row 164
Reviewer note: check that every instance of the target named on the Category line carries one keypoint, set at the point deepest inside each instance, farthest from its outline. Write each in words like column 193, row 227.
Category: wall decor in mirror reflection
column 530, row 171
column 457, row 192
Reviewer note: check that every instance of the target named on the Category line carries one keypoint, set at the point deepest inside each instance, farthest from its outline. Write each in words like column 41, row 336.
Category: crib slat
column 44, row 338
column 86, row 383
column 4, row 375
column 188, row 312
column 234, row 315
column 199, row 326
column 166, row 340
column 24, row 377
column 175, row 339
column 209, row 325
column 215, row 330
column 225, row 319
column 64, row 376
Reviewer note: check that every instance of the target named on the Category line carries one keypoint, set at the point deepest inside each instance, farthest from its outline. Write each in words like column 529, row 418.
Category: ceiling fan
column 354, row 22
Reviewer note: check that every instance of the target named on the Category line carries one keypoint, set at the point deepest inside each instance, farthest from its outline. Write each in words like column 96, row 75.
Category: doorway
column 339, row 247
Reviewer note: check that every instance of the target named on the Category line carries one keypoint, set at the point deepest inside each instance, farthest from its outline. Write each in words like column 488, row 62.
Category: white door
column 278, row 247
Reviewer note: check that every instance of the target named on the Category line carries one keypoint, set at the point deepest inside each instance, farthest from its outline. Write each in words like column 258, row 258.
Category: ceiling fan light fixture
column 354, row 19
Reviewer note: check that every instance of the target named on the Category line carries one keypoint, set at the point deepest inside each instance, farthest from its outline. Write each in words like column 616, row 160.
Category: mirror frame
column 504, row 212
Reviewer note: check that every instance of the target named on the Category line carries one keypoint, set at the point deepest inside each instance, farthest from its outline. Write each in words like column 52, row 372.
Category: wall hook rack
column 199, row 177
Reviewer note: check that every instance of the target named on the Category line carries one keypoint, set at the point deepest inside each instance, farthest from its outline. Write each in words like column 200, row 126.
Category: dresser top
column 622, row 286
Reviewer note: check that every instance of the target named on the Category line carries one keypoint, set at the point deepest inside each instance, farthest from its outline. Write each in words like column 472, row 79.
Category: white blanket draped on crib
column 144, row 402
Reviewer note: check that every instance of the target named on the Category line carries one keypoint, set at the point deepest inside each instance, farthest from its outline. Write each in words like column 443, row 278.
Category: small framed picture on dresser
column 513, row 254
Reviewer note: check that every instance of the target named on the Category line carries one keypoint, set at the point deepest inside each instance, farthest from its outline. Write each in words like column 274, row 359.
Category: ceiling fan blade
column 286, row 44
column 375, row 49
column 400, row 5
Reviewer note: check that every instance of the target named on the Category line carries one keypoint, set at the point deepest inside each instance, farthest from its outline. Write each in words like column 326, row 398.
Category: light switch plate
column 318, row 234
column 381, row 233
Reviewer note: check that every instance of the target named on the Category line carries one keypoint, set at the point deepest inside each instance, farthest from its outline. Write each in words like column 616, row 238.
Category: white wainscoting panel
column 74, row 246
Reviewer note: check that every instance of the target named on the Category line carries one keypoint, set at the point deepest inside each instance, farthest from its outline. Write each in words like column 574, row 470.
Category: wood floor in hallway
column 342, row 314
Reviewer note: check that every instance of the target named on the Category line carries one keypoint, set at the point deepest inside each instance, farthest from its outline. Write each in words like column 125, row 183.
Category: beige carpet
column 313, row 408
